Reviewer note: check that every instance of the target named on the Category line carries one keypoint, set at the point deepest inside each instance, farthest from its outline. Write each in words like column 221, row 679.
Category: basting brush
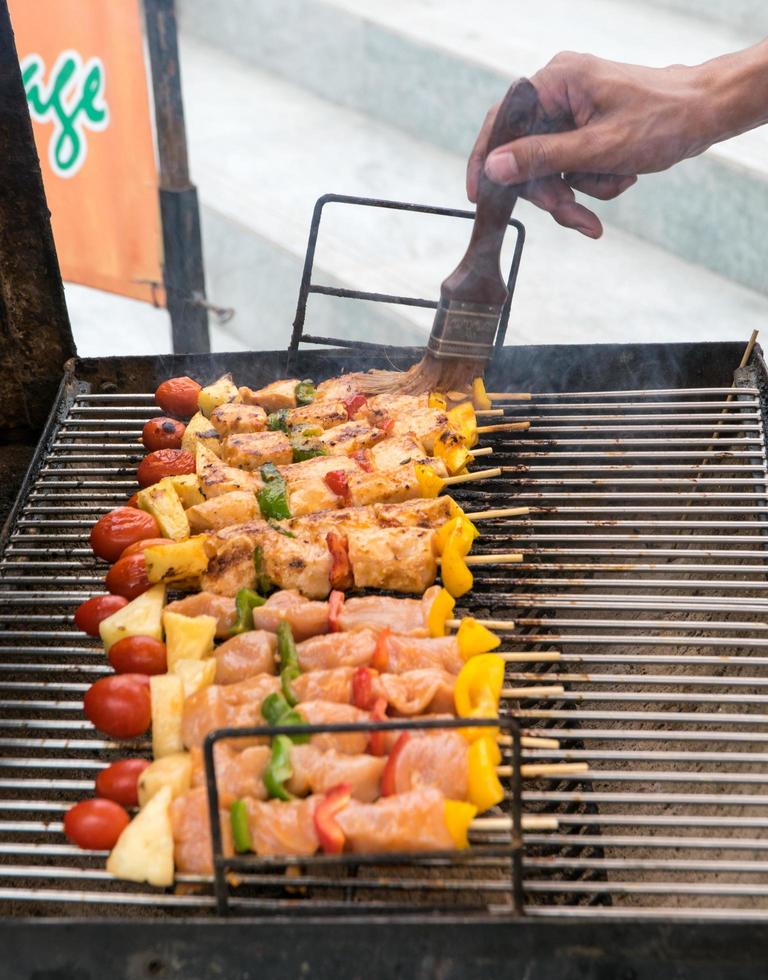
column 473, row 295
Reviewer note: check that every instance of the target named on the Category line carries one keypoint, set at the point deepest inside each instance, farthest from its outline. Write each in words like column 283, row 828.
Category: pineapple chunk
column 199, row 431
column 236, row 507
column 176, row 562
column 162, row 501
column 174, row 771
column 188, row 637
column 187, row 486
column 141, row 617
column 219, row 393
column 195, row 674
column 144, row 850
column 216, row 478
column 167, row 700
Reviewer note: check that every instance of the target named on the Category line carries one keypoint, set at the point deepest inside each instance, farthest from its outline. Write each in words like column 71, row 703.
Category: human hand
column 616, row 121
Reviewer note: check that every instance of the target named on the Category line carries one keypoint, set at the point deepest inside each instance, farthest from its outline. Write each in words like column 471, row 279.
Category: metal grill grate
column 643, row 592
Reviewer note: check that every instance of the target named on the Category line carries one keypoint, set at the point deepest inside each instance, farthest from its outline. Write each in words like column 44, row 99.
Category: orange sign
column 82, row 62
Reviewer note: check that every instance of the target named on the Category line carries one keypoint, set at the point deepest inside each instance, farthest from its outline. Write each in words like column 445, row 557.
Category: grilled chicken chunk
column 251, row 450
column 245, row 656
column 324, row 414
column 400, row 558
column 217, row 478
column 316, row 467
column 236, row 417
column 425, row 424
column 345, row 386
column 293, row 563
column 311, row 496
column 350, row 437
column 412, row 821
column 391, row 453
column 231, row 566
column 235, row 507
column 208, row 604
column 273, row 397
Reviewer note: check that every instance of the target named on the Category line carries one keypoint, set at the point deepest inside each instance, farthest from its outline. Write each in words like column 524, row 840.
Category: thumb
column 540, row 156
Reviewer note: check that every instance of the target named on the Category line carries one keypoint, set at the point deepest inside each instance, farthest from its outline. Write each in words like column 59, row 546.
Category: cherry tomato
column 133, row 500
column 90, row 613
column 137, row 548
column 162, row 433
column 119, row 705
column 164, row 462
column 113, row 532
column 138, row 655
column 128, row 577
column 95, row 825
column 178, row 396
column 120, row 781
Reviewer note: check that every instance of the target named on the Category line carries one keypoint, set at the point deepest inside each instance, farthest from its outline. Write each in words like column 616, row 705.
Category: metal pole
column 183, row 271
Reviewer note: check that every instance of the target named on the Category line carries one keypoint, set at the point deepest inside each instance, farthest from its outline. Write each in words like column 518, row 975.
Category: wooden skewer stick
column 501, row 558
column 487, row 515
column 530, row 821
column 483, row 451
column 509, row 396
column 504, row 427
column 486, row 413
column 450, row 481
column 543, row 691
column 532, row 742
column 533, row 769
column 541, row 657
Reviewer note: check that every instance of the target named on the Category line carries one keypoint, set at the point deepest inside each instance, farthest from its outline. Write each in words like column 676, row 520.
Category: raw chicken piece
column 406, row 653
column 412, row 821
column 279, row 828
column 305, row 617
column 226, row 706
column 238, row 773
column 325, row 685
column 415, row 692
column 328, row 713
column 317, row 771
column 437, row 759
column 379, row 612
column 192, row 833
column 337, row 650
column 245, row 655
column 208, row 604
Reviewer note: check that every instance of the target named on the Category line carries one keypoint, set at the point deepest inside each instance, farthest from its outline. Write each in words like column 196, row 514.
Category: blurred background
column 288, row 99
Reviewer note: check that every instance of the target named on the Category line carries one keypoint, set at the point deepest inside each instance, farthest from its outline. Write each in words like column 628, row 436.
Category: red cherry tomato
column 133, row 500
column 95, row 825
column 178, row 396
column 91, row 612
column 119, row 705
column 162, row 433
column 138, row 547
column 164, row 462
column 138, row 655
column 128, row 577
column 113, row 532
column 120, row 781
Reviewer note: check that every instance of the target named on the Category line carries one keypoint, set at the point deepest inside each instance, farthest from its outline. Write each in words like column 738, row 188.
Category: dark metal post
column 183, row 272
column 35, row 336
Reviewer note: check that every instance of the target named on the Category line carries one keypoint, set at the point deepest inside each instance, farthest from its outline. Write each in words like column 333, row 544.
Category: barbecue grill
column 635, row 634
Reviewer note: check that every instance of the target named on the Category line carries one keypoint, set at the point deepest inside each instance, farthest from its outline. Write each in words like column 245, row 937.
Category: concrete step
column 432, row 67
column 749, row 16
column 263, row 150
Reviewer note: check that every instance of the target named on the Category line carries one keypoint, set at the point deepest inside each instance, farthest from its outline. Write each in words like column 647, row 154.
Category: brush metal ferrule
column 464, row 330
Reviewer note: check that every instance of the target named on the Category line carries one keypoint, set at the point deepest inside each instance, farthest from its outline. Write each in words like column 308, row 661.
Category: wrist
column 732, row 93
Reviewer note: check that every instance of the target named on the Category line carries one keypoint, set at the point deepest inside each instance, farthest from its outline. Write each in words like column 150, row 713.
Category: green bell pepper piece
column 241, row 831
column 245, row 602
column 276, row 711
column 263, row 583
column 302, row 449
column 278, row 421
column 279, row 769
column 305, row 392
column 273, row 496
column 289, row 662
column 280, row 529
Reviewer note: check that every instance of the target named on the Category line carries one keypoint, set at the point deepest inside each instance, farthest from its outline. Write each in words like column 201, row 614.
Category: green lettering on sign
column 72, row 99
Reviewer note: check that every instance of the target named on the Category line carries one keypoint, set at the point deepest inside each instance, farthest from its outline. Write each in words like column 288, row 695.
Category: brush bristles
column 429, row 374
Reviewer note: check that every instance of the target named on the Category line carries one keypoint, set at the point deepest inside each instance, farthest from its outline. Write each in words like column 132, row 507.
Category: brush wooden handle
column 478, row 278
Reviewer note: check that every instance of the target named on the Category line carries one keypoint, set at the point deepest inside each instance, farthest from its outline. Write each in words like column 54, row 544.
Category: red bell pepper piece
column 364, row 459
column 376, row 739
column 329, row 833
column 387, row 425
column 353, row 404
column 337, row 483
column 380, row 659
column 335, row 605
column 388, row 787
column 340, row 575
column 362, row 688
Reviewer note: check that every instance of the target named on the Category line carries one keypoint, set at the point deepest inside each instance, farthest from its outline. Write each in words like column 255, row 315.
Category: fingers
column 554, row 195
column 544, row 156
column 602, row 186
column 479, row 150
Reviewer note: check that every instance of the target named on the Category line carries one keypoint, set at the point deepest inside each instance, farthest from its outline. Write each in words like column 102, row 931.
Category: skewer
column 487, row 515
column 532, row 770
column 530, row 821
column 483, row 451
column 525, row 693
column 504, row 427
column 489, row 412
column 449, row 481
column 533, row 742
column 502, row 558
column 509, row 396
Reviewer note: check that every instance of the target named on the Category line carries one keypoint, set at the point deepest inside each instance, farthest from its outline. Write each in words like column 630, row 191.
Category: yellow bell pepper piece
column 437, row 400
column 456, row 576
column 458, row 817
column 465, row 532
column 430, row 484
column 440, row 612
column 477, row 692
column 485, row 790
column 474, row 638
column 462, row 420
column 480, row 398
